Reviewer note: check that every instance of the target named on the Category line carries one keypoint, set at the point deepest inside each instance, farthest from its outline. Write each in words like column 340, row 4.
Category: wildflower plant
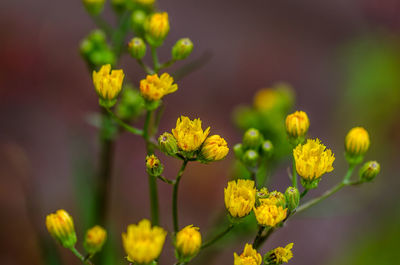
column 270, row 136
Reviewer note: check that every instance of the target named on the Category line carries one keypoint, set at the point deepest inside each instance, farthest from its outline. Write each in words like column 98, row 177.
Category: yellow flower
column 249, row 256
column 265, row 99
column 152, row 161
column 268, row 214
column 283, row 254
column 297, row 124
column 189, row 134
column 312, row 160
column 108, row 85
column 155, row 88
column 61, row 227
column 94, row 239
column 214, row 148
column 240, row 197
column 142, row 242
column 157, row 28
column 357, row 142
column 188, row 241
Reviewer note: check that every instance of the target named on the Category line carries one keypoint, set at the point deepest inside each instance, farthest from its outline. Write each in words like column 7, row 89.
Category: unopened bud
column 250, row 158
column 267, row 148
column 94, row 239
column 154, row 166
column 252, row 139
column 137, row 48
column 238, row 150
column 297, row 125
column 369, row 171
column 188, row 242
column 292, row 196
column 356, row 144
column 182, row 49
column 168, row 144
column 61, row 227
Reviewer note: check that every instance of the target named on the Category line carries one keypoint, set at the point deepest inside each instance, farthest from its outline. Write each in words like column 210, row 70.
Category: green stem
column 258, row 236
column 264, row 238
column 164, row 179
column 156, row 63
column 167, row 64
column 175, row 197
column 80, row 256
column 146, row 68
column 294, row 173
column 124, row 125
column 217, row 237
column 304, row 193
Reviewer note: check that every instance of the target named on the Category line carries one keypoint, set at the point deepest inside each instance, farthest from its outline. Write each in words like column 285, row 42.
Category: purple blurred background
column 47, row 93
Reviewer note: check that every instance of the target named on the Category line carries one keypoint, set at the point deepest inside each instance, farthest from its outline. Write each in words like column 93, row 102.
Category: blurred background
column 342, row 59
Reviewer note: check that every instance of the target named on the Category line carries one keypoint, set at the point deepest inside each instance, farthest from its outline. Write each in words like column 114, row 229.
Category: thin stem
column 168, row 181
column 80, row 256
column 294, row 173
column 167, row 64
column 124, row 125
column 119, row 35
column 253, row 175
column 192, row 66
column 156, row 63
column 175, row 197
column 145, row 67
column 264, row 238
column 159, row 114
column 258, row 236
column 217, row 237
column 304, row 193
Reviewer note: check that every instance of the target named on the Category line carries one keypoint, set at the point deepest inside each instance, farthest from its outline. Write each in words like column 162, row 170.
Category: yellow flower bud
column 155, row 88
column 154, row 166
column 297, row 124
column 61, row 227
column 312, row 161
column 108, row 84
column 214, row 148
column 137, row 48
column 142, row 242
column 188, row 242
column 189, row 134
column 240, row 197
column 279, row 255
column 157, row 28
column 249, row 256
column 94, row 239
column 268, row 214
column 356, row 144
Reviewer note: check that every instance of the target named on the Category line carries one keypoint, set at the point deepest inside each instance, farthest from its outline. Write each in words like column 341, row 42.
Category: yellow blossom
column 157, row 28
column 283, row 254
column 143, row 243
column 268, row 214
column 94, row 239
column 249, row 256
column 155, row 88
column 357, row 141
column 188, row 241
column 152, row 161
column 297, row 124
column 189, row 134
column 265, row 99
column 240, row 197
column 313, row 159
column 108, row 83
column 214, row 148
column 61, row 227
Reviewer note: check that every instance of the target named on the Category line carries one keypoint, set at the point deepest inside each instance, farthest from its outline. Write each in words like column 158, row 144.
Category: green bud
column 168, row 144
column 267, row 148
column 238, row 150
column 182, row 49
column 86, row 47
column 131, row 103
column 137, row 48
column 154, row 166
column 292, row 196
column 250, row 158
column 94, row 7
column 369, row 171
column 98, row 37
column 138, row 19
column 252, row 139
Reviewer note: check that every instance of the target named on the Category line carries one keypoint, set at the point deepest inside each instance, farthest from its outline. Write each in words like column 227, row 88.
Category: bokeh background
column 342, row 58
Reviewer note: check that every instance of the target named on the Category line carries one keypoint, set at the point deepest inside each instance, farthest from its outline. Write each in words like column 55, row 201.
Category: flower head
column 94, row 239
column 108, row 83
column 189, row 134
column 313, row 159
column 61, row 227
column 357, row 142
column 157, row 28
column 155, row 88
column 268, row 214
column 281, row 254
column 297, row 124
column 188, row 241
column 154, row 166
column 249, row 256
column 240, row 197
column 142, row 242
column 214, row 148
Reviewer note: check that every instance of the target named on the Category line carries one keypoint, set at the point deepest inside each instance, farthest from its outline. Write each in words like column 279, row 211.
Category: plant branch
column 124, row 125
column 175, row 196
column 217, row 237
column 81, row 257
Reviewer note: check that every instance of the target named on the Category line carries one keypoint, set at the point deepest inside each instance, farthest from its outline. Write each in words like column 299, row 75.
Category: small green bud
column 250, row 158
column 137, row 48
column 131, row 103
column 252, row 139
column 138, row 19
column 292, row 196
column 168, row 144
column 98, row 37
column 238, row 150
column 267, row 148
column 182, row 49
column 86, row 47
column 369, row 171
column 94, row 7
column 154, row 166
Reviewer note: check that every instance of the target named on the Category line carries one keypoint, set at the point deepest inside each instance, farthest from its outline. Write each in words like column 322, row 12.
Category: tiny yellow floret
column 357, row 141
column 268, row 214
column 313, row 159
column 240, row 197
column 143, row 243
column 95, row 239
column 188, row 241
column 214, row 148
column 157, row 27
column 155, row 88
column 297, row 124
column 108, row 83
column 249, row 256
column 189, row 134
column 61, row 227
column 283, row 254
